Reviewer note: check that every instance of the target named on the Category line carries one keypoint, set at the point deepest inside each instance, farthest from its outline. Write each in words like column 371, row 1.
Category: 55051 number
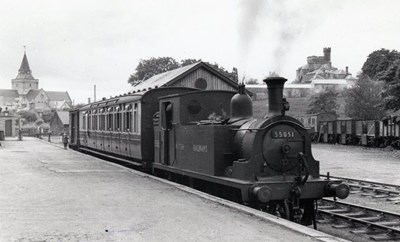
column 282, row 134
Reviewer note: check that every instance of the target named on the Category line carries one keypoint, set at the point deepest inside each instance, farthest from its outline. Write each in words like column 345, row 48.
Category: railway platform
column 48, row 193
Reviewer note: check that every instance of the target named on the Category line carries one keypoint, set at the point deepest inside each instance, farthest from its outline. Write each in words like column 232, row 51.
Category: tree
column 231, row 75
column 151, row 67
column 325, row 101
column 364, row 100
column 384, row 65
column 251, row 81
column 378, row 62
column 47, row 116
column 28, row 116
column 187, row 62
column 391, row 92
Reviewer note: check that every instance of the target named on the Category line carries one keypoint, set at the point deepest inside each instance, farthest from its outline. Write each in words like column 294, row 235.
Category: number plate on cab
column 282, row 134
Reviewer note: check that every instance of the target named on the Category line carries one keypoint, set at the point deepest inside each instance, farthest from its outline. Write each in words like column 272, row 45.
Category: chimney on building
column 347, row 70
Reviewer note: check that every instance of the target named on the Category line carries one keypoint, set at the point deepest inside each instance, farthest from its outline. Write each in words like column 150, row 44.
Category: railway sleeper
column 370, row 219
column 389, row 223
column 338, row 210
column 385, row 237
column 355, row 214
column 381, row 196
column 329, row 207
column 393, row 199
column 344, row 225
column 365, row 230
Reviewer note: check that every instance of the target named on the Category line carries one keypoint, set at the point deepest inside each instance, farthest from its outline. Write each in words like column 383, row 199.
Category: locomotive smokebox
column 277, row 105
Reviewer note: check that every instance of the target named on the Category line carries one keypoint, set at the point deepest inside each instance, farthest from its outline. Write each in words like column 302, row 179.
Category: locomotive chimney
column 277, row 105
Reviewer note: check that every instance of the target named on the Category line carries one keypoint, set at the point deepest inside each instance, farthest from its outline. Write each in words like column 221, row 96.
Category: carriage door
column 72, row 123
column 166, row 132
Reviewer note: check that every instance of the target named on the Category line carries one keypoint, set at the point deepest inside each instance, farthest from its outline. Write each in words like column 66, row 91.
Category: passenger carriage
column 116, row 126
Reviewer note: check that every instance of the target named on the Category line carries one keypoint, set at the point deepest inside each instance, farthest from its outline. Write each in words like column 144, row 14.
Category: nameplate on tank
column 200, row 148
column 282, row 134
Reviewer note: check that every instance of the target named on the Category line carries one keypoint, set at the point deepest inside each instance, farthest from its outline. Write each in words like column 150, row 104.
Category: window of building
column 200, row 83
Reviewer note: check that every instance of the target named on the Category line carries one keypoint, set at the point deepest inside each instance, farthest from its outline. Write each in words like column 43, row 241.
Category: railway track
column 371, row 223
column 372, row 189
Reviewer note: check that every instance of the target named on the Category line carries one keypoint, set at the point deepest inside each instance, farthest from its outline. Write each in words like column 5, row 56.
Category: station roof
column 169, row 77
column 63, row 116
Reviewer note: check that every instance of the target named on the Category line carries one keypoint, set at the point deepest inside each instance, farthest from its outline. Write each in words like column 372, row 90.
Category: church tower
column 24, row 80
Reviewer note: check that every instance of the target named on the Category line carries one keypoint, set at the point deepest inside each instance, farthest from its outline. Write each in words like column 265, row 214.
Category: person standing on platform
column 65, row 140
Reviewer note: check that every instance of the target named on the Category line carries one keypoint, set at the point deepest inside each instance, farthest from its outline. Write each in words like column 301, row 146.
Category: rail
column 379, row 225
column 372, row 189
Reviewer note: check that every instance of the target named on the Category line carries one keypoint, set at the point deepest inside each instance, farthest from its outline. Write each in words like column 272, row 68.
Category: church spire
column 24, row 69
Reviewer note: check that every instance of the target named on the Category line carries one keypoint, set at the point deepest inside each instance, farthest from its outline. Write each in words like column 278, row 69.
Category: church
column 26, row 94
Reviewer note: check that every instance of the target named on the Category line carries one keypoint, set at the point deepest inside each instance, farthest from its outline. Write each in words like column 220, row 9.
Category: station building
column 59, row 123
column 7, row 124
column 198, row 75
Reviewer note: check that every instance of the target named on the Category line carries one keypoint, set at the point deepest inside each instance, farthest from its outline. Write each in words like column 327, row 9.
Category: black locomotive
column 209, row 140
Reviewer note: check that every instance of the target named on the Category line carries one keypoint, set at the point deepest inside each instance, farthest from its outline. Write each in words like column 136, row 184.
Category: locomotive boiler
column 209, row 140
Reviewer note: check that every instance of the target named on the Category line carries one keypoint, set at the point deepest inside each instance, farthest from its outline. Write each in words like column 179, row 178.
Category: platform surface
column 51, row 194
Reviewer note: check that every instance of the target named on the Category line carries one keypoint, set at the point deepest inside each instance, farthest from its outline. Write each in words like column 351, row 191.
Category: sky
column 76, row 44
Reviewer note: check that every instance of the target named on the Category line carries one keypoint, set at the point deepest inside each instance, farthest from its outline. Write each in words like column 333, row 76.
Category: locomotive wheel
column 306, row 212
column 285, row 210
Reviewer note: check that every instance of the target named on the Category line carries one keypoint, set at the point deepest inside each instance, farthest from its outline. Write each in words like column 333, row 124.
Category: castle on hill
column 320, row 68
column 26, row 94
column 316, row 76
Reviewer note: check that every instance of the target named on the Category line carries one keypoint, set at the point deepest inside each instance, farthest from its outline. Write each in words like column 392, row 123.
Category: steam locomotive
column 210, row 141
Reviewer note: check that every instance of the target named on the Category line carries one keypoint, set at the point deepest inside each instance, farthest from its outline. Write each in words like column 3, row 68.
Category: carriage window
column 94, row 120
column 110, row 119
column 89, row 121
column 117, row 121
column 136, row 118
column 128, row 118
column 84, row 120
column 102, row 120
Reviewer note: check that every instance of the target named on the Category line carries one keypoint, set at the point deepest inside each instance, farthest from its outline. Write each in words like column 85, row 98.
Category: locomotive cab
column 190, row 134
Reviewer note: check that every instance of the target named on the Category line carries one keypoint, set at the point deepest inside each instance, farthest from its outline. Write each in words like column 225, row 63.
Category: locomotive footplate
column 266, row 190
